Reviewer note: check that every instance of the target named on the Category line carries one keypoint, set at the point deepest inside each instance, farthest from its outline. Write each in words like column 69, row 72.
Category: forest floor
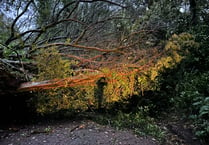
column 88, row 132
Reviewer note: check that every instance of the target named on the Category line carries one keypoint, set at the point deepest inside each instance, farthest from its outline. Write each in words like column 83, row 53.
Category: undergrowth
column 138, row 122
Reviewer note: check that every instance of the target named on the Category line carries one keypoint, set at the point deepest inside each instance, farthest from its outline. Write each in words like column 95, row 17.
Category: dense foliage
column 148, row 53
column 187, row 84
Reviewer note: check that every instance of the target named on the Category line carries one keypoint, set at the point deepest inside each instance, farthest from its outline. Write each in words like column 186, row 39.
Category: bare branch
column 51, row 39
column 80, row 36
column 41, row 30
column 63, row 20
column 107, row 1
column 91, row 26
column 14, row 23
column 8, row 63
column 66, row 6
column 83, row 60
column 14, row 62
column 54, row 9
column 76, row 6
column 79, row 46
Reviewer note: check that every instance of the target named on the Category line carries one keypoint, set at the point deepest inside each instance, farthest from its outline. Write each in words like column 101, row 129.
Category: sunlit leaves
column 51, row 65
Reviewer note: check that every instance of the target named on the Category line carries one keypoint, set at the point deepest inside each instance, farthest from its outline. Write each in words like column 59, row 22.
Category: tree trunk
column 193, row 10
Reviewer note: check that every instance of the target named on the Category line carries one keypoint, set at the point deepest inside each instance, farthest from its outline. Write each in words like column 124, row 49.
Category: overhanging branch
column 79, row 46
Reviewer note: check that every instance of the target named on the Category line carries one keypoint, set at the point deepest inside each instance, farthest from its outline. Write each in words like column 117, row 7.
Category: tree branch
column 79, row 46
column 41, row 30
column 66, row 6
column 76, row 6
column 11, row 38
column 107, row 1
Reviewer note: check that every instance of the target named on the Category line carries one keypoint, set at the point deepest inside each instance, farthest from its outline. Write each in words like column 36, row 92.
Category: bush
column 186, row 85
column 139, row 122
column 200, row 58
column 194, row 100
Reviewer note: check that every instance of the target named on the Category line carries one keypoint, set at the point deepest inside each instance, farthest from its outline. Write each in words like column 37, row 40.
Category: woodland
column 131, row 62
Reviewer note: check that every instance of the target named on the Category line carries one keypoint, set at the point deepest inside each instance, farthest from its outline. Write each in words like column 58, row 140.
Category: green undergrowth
column 138, row 122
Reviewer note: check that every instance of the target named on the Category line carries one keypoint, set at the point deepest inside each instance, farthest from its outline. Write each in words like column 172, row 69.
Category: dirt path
column 71, row 133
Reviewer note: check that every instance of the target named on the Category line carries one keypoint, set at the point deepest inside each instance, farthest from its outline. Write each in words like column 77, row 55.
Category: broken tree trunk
column 57, row 83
